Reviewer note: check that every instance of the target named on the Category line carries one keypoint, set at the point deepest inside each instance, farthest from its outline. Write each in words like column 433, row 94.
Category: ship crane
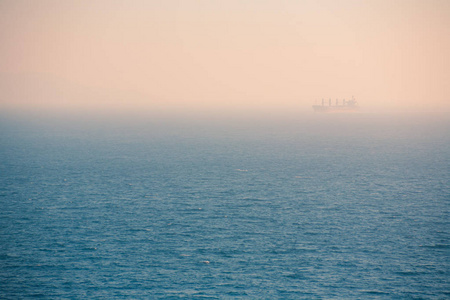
column 346, row 106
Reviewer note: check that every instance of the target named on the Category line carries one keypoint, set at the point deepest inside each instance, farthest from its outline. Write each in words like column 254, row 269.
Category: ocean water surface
column 324, row 207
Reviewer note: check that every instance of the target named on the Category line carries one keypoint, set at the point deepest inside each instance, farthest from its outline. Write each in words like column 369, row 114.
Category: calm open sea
column 324, row 207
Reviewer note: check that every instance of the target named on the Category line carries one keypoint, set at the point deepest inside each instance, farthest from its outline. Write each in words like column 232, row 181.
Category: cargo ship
column 344, row 106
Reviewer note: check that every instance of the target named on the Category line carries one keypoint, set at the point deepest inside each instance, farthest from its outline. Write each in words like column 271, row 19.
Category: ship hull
column 334, row 109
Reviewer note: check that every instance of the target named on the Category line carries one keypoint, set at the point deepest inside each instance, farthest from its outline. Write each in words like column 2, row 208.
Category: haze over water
column 166, row 149
column 215, row 56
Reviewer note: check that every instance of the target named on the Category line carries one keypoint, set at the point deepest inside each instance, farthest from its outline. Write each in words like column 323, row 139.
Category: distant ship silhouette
column 346, row 106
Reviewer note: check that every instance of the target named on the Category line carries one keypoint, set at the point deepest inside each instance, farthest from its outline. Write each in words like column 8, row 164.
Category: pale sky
column 234, row 55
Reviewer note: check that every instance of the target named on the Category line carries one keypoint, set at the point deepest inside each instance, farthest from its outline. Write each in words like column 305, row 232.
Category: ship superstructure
column 344, row 106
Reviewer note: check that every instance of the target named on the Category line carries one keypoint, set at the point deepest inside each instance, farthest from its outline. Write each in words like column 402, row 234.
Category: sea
column 315, row 206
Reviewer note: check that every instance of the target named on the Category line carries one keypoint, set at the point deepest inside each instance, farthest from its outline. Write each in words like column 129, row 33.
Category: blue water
column 327, row 207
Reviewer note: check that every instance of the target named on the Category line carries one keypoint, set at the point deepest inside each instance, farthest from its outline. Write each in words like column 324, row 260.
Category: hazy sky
column 234, row 55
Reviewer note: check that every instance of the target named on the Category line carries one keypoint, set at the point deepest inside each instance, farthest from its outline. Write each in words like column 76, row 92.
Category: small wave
column 409, row 273
column 240, row 170
column 10, row 255
column 89, row 248
column 374, row 292
column 436, row 246
column 295, row 275
column 253, row 199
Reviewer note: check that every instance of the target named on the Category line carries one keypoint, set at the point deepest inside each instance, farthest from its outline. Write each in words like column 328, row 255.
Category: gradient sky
column 234, row 55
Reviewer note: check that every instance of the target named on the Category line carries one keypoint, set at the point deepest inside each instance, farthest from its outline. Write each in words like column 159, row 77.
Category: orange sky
column 234, row 55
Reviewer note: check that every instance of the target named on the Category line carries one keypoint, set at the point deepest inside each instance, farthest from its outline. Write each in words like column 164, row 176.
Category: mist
column 210, row 58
